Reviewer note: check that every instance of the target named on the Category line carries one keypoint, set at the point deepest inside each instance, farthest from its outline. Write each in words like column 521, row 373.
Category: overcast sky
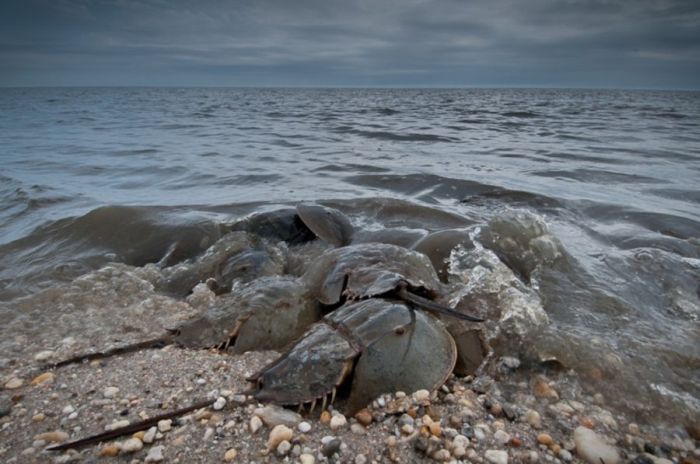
column 542, row 43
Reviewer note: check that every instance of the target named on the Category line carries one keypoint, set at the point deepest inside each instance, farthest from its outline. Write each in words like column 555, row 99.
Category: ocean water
column 91, row 176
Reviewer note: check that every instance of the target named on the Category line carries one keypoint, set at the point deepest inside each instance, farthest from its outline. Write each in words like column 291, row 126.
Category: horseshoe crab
column 373, row 346
column 367, row 347
column 265, row 314
column 377, row 269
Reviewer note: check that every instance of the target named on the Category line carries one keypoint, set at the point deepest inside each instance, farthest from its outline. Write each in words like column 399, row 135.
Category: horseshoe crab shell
column 374, row 345
column 265, row 314
column 367, row 270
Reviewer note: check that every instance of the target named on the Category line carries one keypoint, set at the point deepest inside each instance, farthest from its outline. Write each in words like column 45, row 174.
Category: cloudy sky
column 431, row 43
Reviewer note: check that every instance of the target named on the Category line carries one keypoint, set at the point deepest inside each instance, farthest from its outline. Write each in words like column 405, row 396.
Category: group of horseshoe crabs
column 361, row 319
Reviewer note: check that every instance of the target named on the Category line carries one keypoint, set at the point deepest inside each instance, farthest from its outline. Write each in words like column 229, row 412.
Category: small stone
column 516, row 442
column 68, row 409
column 276, row 415
column 325, row 417
column 230, row 454
column 110, row 450
column 14, row 383
column 73, row 415
column 555, row 448
column 461, row 440
column 421, row 396
column 338, row 421
column 140, row 434
column 155, row 454
column 304, row 427
column 131, row 445
column 110, row 392
column 255, row 424
column 497, row 456
column 360, row 459
column 219, row 403
column 501, row 437
column 208, row 433
column 307, row 459
column 441, row 455
column 542, row 389
column 533, row 418
column 279, row 434
column 633, row 429
column 357, row 429
column 565, row 455
column 44, row 355
column 364, row 417
column 150, row 435
column 283, row 448
column 165, row 425
column 435, row 429
column 459, row 452
column 332, row 447
column 117, row 425
column 545, row 439
column 586, row 422
column 56, row 436
column 591, row 447
column 44, row 379
column 407, row 429
column 38, row 417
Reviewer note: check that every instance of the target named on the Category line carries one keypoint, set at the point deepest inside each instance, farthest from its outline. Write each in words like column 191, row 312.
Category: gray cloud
column 597, row 43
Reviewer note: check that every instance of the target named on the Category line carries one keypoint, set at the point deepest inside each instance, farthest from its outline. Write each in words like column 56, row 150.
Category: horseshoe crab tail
column 144, row 345
column 143, row 425
column 428, row 305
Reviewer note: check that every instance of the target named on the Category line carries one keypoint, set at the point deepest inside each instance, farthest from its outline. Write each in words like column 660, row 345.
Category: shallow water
column 92, row 176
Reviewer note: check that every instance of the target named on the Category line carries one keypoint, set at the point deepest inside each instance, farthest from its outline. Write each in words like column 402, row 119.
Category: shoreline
column 467, row 420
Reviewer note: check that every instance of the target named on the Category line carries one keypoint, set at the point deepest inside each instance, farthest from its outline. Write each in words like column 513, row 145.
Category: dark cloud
column 596, row 43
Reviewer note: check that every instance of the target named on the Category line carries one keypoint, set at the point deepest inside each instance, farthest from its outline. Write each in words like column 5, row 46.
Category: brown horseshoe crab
column 265, row 314
column 372, row 346
column 377, row 269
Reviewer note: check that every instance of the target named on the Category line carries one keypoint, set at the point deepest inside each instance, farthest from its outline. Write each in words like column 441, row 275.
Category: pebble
column 165, row 425
column 68, row 409
column 230, row 454
column 275, row 415
column 459, row 451
column 332, row 447
column 110, row 392
column 155, row 454
column 14, row 383
column 131, row 445
column 56, row 436
column 117, row 424
column 565, row 455
column 533, row 418
column 219, row 403
column 208, row 433
column 44, row 355
column 44, row 379
column 38, row 417
column 441, row 455
column 357, row 429
column 255, row 424
column 364, row 417
column 307, row 459
column 304, row 427
column 435, row 428
column 150, row 435
column 5, row 406
column 497, row 456
column 325, row 417
column 360, row 459
column 501, row 437
column 338, row 421
column 545, row 439
column 278, row 434
column 421, row 396
column 542, row 389
column 283, row 448
column 110, row 450
column 591, row 447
